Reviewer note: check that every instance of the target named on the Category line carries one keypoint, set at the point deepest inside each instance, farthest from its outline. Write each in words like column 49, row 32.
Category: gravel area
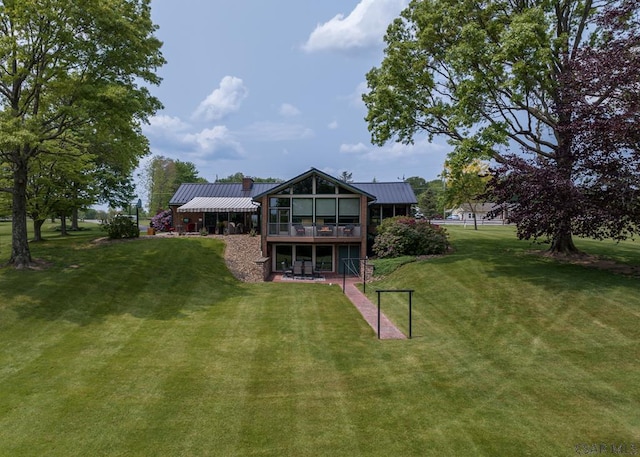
column 240, row 255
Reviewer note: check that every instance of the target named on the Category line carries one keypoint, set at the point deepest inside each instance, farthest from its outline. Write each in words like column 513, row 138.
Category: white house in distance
column 465, row 212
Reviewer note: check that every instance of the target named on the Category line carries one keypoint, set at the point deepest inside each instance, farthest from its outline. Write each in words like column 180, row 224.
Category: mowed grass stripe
column 560, row 338
column 160, row 351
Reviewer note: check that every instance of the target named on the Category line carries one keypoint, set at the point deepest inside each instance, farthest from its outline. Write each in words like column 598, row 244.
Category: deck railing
column 315, row 230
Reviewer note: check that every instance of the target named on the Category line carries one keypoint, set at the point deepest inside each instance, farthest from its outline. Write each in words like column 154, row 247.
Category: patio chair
column 299, row 229
column 348, row 230
column 298, row 268
column 286, row 271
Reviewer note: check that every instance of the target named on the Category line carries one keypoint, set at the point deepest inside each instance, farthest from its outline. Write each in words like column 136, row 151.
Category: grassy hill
column 151, row 347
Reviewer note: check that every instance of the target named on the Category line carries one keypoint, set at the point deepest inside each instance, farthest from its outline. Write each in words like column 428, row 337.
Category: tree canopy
column 466, row 185
column 71, row 83
column 163, row 176
column 548, row 89
column 239, row 176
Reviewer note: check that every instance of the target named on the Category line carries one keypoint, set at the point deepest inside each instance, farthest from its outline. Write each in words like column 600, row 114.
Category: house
column 313, row 217
column 465, row 212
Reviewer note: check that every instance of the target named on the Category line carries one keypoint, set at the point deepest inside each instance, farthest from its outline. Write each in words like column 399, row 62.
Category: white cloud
column 355, row 99
column 358, row 148
column 394, row 151
column 166, row 134
column 217, row 142
column 332, row 125
column 224, row 100
column 288, row 110
column 278, row 131
column 163, row 124
column 364, row 27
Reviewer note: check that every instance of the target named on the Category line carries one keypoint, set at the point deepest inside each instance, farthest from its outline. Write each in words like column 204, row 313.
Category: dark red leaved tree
column 592, row 185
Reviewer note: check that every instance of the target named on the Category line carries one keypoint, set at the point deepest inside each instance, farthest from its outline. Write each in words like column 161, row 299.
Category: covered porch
column 219, row 215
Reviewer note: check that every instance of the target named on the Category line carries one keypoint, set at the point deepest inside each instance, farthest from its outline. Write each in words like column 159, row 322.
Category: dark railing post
column 410, row 295
column 344, row 276
column 410, row 291
column 379, row 291
column 364, row 276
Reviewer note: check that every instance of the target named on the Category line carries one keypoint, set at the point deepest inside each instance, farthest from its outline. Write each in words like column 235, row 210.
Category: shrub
column 121, row 227
column 162, row 221
column 399, row 236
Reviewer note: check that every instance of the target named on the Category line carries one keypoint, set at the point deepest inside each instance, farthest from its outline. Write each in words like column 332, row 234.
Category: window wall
column 321, row 256
column 314, row 201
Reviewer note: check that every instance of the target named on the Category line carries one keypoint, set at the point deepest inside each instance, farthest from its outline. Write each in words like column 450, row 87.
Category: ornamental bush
column 121, row 227
column 162, row 221
column 402, row 235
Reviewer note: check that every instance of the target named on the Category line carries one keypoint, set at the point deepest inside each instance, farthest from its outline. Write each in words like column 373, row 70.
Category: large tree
column 533, row 77
column 163, row 177
column 70, row 70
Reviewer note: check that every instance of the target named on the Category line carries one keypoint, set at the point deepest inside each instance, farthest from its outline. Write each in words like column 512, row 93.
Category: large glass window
column 302, row 210
column 284, row 256
column 325, row 206
column 304, row 187
column 324, row 187
column 324, row 258
column 278, row 221
column 279, row 202
column 349, row 210
column 304, row 252
column 325, row 210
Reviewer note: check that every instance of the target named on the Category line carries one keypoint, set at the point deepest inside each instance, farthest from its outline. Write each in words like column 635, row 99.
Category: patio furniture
column 286, row 271
column 298, row 268
column 299, row 229
column 348, row 230
column 325, row 230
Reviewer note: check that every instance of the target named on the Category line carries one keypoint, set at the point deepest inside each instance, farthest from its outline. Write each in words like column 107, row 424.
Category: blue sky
column 271, row 89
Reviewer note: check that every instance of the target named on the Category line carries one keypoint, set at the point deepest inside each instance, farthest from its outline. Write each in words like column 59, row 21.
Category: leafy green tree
column 163, row 177
column 55, row 188
column 346, row 176
column 497, row 74
column 417, row 183
column 238, row 177
column 69, row 71
column 428, row 203
column 466, row 184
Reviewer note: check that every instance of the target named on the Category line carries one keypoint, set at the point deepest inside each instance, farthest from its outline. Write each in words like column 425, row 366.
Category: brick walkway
column 369, row 311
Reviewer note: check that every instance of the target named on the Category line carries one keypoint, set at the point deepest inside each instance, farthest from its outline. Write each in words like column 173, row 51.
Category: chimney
column 247, row 184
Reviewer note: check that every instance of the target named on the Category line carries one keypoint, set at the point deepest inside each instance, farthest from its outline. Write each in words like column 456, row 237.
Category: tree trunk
column 74, row 220
column 562, row 241
column 20, row 253
column 37, row 229
column 63, row 225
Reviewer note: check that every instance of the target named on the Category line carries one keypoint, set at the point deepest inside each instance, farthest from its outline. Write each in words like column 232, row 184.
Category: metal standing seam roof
column 388, row 193
column 188, row 191
column 219, row 205
column 384, row 192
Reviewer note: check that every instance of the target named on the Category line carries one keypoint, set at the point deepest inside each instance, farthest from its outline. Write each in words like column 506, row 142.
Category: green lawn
column 151, row 348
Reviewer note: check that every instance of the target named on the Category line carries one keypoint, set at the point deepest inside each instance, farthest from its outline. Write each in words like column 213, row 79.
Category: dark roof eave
column 308, row 173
